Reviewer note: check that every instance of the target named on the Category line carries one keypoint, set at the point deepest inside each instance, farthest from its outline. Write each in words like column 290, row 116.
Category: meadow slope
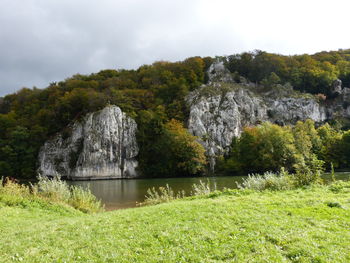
column 304, row 225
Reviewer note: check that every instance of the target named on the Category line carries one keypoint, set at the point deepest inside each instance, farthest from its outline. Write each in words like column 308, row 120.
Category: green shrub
column 310, row 173
column 302, row 179
column 305, row 175
column 84, row 200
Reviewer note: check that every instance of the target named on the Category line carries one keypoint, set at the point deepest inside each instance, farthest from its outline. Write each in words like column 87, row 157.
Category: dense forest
column 301, row 148
column 154, row 96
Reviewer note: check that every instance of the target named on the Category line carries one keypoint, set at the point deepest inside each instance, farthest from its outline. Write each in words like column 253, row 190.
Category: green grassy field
column 303, row 225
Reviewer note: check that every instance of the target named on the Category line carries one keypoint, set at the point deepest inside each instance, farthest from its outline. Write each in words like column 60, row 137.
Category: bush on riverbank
column 167, row 194
column 50, row 190
column 161, row 195
column 267, row 181
column 281, row 180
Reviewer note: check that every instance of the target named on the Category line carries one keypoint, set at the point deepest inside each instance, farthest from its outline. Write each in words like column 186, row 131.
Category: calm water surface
column 125, row 193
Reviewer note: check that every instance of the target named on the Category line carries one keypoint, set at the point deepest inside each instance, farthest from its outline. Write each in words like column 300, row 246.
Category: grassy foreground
column 302, row 225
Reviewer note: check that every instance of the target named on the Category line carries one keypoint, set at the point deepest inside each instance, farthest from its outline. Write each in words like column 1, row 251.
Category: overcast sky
column 42, row 41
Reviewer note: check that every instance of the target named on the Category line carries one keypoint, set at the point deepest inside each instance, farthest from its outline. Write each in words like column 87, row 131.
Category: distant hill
column 31, row 116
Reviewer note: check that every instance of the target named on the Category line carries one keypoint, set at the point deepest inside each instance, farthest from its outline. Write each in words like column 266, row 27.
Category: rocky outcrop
column 220, row 110
column 285, row 111
column 217, row 72
column 336, row 88
column 217, row 118
column 340, row 106
column 102, row 145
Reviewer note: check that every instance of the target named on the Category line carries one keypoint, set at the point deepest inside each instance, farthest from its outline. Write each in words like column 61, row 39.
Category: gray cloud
column 48, row 40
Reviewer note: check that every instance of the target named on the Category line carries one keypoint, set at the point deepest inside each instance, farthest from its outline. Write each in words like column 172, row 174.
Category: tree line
column 307, row 73
column 301, row 147
column 154, row 96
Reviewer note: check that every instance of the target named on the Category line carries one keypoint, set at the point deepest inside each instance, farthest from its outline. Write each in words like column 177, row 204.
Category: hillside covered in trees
column 154, row 95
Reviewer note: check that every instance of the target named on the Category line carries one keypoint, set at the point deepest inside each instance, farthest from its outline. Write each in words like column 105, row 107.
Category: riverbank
column 120, row 194
column 303, row 225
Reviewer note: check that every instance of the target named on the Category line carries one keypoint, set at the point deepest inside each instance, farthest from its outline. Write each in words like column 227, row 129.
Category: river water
column 126, row 193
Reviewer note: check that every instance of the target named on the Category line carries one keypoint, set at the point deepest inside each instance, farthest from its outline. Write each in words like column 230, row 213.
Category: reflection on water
column 116, row 194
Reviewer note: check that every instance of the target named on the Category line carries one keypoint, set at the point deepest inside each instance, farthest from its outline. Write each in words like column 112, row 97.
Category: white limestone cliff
column 102, row 145
column 221, row 109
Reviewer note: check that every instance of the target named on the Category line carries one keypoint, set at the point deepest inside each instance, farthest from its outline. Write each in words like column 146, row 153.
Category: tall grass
column 161, row 195
column 203, row 188
column 12, row 194
column 269, row 180
column 84, row 200
column 52, row 190
column 167, row 194
column 280, row 181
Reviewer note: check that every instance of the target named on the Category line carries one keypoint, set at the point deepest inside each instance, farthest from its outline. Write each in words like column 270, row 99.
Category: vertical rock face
column 289, row 110
column 102, row 145
column 218, row 118
column 222, row 115
column 220, row 110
